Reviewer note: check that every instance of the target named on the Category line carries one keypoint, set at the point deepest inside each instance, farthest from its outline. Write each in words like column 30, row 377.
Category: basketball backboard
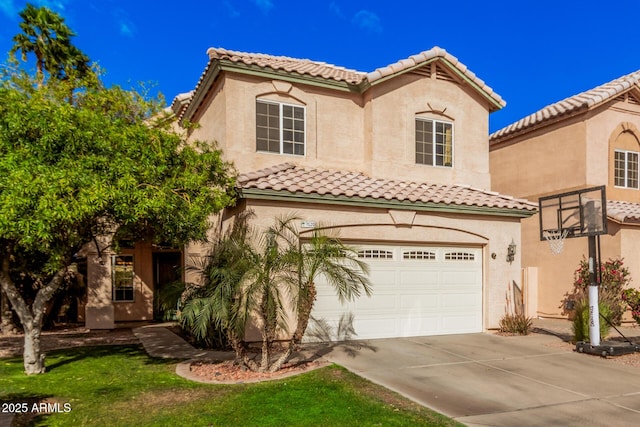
column 574, row 214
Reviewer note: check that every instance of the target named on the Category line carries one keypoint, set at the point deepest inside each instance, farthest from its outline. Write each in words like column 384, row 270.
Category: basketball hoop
column 556, row 240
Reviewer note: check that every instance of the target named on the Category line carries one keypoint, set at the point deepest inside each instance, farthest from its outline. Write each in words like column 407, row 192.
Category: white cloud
column 335, row 8
column 368, row 21
column 125, row 25
column 9, row 9
column 233, row 12
column 264, row 5
column 55, row 5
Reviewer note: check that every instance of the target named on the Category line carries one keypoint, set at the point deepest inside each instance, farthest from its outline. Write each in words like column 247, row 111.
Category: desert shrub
column 514, row 320
column 516, row 324
column 614, row 278
column 580, row 324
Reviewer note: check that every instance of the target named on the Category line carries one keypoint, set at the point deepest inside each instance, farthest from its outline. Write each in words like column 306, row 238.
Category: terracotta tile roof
column 284, row 63
column 623, row 211
column 573, row 104
column 354, row 185
column 426, row 56
column 340, row 74
column 180, row 102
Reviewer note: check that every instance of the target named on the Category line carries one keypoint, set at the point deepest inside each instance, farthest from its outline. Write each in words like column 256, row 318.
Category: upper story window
column 626, row 169
column 434, row 142
column 280, row 128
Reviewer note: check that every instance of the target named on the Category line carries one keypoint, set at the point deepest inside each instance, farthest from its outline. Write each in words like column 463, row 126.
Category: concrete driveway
column 489, row 380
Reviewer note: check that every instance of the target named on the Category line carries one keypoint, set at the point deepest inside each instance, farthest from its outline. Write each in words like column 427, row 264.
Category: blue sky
column 532, row 53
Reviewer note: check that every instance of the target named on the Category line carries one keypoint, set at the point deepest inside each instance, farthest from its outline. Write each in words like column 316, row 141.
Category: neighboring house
column 586, row 140
column 396, row 160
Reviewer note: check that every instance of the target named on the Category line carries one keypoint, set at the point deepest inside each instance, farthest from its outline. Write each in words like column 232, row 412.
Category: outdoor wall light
column 511, row 251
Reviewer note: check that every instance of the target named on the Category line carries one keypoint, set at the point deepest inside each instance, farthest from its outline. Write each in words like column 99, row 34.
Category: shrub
column 632, row 298
column 514, row 320
column 581, row 319
column 516, row 324
column 614, row 277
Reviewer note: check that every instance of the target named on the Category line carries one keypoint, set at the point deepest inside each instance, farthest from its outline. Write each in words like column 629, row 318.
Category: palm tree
column 45, row 34
column 260, row 276
column 339, row 264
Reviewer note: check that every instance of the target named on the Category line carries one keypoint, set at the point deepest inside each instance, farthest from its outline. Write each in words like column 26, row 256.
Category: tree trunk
column 304, row 312
column 32, row 357
column 7, row 326
column 283, row 357
column 32, row 317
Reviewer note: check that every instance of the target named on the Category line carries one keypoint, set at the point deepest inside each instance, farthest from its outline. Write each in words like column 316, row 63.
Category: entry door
column 167, row 268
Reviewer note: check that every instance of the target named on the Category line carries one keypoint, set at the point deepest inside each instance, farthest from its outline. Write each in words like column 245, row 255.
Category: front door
column 167, row 267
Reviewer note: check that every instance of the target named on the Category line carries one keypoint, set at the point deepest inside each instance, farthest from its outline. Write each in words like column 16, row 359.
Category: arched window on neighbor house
column 626, row 152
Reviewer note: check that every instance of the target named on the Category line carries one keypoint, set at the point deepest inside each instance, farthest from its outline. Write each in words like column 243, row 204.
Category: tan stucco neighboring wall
column 539, row 162
column 570, row 154
column 368, row 225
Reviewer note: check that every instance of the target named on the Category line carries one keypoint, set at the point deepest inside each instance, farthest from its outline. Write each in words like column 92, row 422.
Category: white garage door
column 416, row 291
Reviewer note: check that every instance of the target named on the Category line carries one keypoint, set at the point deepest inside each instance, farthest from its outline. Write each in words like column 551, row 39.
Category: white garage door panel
column 385, row 303
column 419, row 303
column 416, row 291
column 418, row 278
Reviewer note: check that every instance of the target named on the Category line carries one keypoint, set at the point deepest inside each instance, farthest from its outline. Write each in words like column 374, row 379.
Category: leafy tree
column 76, row 173
column 45, row 34
column 255, row 278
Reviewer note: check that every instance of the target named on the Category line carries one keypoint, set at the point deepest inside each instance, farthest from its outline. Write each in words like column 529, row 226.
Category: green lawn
column 122, row 386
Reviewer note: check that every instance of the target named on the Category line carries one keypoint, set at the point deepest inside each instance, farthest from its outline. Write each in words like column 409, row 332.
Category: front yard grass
column 122, row 386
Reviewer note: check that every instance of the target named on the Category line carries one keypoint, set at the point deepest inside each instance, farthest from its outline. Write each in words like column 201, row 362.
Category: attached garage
column 417, row 290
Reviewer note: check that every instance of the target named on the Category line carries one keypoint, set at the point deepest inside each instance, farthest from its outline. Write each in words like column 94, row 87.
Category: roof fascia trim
column 254, row 70
column 495, row 102
column 371, row 203
column 210, row 77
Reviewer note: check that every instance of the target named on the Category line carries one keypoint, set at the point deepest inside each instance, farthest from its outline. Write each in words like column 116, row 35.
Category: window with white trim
column 434, row 142
column 419, row 255
column 123, row 277
column 375, row 254
column 459, row 256
column 626, row 169
column 280, row 128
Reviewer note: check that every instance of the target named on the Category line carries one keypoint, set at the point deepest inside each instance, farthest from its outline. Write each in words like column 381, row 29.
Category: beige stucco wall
column 366, row 225
column 392, row 110
column 372, row 132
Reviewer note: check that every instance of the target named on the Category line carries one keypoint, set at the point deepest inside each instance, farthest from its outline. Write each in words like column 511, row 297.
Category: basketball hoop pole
column 594, row 312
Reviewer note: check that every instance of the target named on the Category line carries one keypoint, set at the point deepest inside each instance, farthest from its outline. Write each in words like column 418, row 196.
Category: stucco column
column 99, row 311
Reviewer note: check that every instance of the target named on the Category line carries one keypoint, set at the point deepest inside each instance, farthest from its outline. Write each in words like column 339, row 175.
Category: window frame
column 120, row 293
column 626, row 169
column 434, row 145
column 281, row 128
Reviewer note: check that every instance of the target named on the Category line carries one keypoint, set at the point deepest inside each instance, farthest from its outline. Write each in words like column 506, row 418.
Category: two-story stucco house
column 586, row 140
column 396, row 159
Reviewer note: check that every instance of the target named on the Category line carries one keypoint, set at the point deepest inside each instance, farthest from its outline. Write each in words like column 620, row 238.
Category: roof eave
column 253, row 193
column 211, row 73
column 294, row 77
column 496, row 103
column 493, row 141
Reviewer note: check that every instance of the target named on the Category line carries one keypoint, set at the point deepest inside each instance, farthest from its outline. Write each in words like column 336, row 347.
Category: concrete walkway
column 158, row 341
